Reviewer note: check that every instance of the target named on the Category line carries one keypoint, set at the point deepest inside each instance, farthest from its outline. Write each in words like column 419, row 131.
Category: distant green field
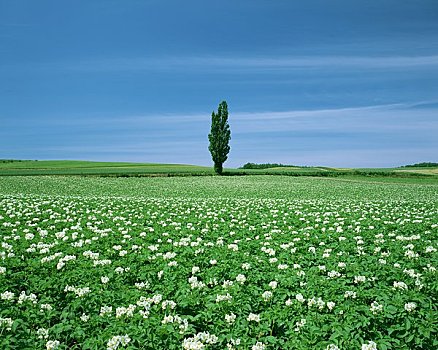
column 73, row 167
column 90, row 168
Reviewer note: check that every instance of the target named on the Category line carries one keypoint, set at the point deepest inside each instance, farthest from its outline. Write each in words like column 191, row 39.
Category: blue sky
column 335, row 83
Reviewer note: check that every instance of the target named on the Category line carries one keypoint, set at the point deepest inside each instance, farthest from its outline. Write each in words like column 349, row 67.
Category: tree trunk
column 218, row 168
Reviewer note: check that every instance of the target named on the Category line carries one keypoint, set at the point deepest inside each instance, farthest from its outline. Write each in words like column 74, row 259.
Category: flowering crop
column 102, row 271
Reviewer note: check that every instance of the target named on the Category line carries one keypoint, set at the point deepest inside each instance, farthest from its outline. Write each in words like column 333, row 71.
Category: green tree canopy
column 219, row 137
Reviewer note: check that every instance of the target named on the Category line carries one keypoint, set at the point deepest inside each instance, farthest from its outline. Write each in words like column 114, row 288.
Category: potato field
column 253, row 262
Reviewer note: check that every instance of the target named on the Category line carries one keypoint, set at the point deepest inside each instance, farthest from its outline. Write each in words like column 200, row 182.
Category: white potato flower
column 240, row 278
column 370, row 346
column 409, row 307
column 267, row 295
column 376, row 307
column 273, row 284
column 258, row 346
column 52, row 345
column 246, row 266
column 7, row 295
column 42, row 333
column 6, row 322
column 300, row 298
column 253, row 317
column 332, row 347
column 230, row 318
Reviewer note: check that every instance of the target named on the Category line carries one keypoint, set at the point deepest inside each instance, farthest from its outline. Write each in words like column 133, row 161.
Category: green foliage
column 219, row 137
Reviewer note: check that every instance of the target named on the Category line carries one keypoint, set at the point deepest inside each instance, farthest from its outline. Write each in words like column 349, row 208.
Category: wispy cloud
column 276, row 62
column 376, row 118
column 319, row 61
column 230, row 63
column 375, row 135
column 388, row 116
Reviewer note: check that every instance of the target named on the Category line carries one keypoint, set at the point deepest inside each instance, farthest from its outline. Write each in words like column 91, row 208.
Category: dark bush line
column 266, row 166
column 421, row 165
column 17, row 160
column 334, row 174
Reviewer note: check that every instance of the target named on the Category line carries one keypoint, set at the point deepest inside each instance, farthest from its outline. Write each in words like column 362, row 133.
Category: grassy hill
column 419, row 170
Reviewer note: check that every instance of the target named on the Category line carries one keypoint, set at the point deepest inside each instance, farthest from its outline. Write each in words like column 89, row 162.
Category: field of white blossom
column 252, row 262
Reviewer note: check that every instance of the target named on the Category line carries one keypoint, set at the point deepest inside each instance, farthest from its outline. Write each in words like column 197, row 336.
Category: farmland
column 243, row 262
column 125, row 169
column 74, row 167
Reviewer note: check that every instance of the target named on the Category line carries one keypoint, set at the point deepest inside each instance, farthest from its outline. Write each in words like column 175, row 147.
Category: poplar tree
column 219, row 137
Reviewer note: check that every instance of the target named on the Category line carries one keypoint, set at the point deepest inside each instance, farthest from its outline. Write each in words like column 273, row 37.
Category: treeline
column 265, row 166
column 14, row 160
column 421, row 165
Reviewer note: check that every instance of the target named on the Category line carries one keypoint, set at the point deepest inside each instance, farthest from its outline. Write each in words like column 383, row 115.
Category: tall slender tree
column 219, row 137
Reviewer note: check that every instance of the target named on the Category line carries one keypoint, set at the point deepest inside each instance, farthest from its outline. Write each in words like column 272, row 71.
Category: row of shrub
column 421, row 165
column 265, row 166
